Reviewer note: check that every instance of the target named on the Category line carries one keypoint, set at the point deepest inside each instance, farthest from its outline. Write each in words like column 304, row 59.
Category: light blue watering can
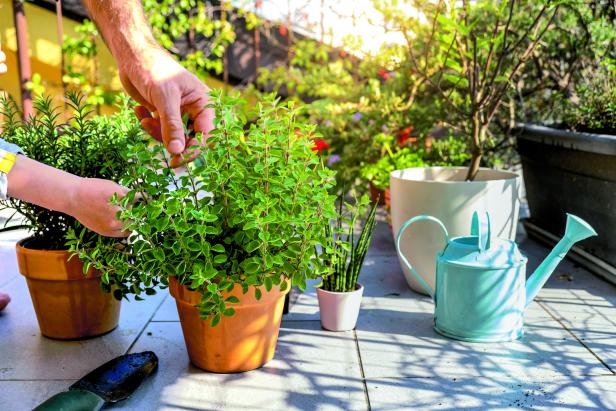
column 481, row 289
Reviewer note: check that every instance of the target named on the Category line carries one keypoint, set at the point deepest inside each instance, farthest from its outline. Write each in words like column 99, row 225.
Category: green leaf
column 220, row 258
column 268, row 283
column 219, row 248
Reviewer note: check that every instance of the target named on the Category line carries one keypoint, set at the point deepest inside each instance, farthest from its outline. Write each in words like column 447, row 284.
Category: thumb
column 171, row 124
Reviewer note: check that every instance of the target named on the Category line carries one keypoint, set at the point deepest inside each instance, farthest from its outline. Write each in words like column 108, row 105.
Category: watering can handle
column 477, row 228
column 406, row 225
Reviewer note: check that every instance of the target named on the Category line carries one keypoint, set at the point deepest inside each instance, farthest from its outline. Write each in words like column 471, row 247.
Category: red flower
column 383, row 73
column 283, row 30
column 320, row 145
column 404, row 136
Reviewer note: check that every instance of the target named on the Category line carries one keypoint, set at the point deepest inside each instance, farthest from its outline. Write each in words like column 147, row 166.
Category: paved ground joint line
column 36, row 379
column 547, row 310
column 130, row 347
column 361, row 369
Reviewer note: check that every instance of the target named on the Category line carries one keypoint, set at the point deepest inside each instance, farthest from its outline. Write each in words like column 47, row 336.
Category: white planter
column 442, row 192
column 339, row 311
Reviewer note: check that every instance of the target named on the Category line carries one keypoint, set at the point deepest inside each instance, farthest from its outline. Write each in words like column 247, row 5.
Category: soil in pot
column 339, row 311
column 68, row 304
column 243, row 342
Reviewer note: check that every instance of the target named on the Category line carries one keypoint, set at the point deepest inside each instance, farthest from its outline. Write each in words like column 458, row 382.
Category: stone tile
column 8, row 266
column 25, row 395
column 396, row 338
column 313, row 369
column 304, row 304
column 29, row 355
column 473, row 393
column 382, row 239
column 167, row 310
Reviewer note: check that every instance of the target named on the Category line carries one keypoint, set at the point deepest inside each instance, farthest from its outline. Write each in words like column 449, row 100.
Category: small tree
column 480, row 49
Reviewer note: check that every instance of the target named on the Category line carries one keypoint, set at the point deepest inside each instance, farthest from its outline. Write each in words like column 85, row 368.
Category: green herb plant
column 346, row 251
column 378, row 173
column 595, row 110
column 84, row 145
column 248, row 214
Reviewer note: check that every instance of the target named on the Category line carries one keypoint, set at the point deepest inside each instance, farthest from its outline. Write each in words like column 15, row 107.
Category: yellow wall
column 45, row 51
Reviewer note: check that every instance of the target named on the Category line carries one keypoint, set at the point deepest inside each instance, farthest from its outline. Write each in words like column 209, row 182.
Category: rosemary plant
column 80, row 143
column 347, row 251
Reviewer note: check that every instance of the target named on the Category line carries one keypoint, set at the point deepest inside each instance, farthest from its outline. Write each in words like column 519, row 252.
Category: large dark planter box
column 570, row 172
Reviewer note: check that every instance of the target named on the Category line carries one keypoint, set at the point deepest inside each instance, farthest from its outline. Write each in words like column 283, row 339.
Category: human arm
column 152, row 76
column 86, row 199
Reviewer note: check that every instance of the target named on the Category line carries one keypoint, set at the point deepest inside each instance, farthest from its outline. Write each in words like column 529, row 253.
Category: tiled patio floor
column 394, row 360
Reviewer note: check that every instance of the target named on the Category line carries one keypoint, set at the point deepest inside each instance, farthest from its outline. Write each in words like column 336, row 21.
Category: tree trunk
column 478, row 133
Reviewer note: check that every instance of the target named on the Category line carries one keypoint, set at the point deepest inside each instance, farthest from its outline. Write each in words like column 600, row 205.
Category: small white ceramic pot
column 339, row 311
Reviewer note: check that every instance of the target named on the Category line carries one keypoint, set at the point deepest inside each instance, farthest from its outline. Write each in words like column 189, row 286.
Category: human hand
column 3, row 67
column 91, row 205
column 166, row 90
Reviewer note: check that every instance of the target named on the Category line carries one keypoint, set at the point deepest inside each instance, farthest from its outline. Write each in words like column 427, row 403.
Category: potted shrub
column 470, row 54
column 230, row 235
column 68, row 304
column 571, row 167
column 340, row 293
column 377, row 174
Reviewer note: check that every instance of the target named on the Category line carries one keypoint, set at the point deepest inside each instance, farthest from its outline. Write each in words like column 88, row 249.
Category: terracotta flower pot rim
column 183, row 293
column 20, row 244
column 358, row 287
column 51, row 256
column 503, row 175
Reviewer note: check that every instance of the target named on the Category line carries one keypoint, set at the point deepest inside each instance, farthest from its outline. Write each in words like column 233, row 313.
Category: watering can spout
column 576, row 230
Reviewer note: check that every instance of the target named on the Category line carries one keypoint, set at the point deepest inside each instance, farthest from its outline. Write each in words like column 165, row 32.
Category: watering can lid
column 465, row 251
column 479, row 250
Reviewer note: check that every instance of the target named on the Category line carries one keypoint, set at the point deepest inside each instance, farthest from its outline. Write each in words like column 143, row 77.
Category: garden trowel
column 113, row 381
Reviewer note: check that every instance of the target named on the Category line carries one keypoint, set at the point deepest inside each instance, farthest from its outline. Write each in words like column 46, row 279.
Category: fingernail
column 175, row 147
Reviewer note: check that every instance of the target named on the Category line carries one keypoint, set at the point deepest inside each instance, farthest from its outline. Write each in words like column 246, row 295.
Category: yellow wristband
column 7, row 160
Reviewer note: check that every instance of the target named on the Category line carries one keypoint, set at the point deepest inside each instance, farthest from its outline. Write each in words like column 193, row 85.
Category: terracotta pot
column 339, row 311
column 67, row 303
column 242, row 342
column 376, row 193
column 387, row 198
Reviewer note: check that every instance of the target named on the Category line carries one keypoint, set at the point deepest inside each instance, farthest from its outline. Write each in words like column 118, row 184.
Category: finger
column 171, row 124
column 204, row 122
column 195, row 104
column 142, row 112
column 189, row 154
column 152, row 127
column 118, row 234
